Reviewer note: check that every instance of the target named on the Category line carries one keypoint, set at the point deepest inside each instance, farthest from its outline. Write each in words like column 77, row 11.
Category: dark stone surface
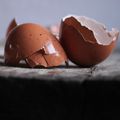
column 59, row 100
column 61, row 93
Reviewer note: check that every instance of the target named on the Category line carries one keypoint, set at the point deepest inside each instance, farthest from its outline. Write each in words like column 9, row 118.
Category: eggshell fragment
column 37, row 59
column 86, row 41
column 11, row 26
column 34, row 44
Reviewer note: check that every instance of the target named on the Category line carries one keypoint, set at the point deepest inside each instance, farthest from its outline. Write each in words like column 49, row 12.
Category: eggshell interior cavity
column 101, row 34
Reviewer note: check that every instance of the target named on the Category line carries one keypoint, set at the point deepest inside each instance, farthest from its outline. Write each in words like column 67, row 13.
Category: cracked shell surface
column 31, row 42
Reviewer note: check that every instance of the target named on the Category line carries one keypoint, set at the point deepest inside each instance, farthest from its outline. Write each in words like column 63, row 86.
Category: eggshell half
column 34, row 44
column 80, row 43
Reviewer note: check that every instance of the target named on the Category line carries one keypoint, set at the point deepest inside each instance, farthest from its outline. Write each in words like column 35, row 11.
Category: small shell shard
column 36, row 59
column 11, row 26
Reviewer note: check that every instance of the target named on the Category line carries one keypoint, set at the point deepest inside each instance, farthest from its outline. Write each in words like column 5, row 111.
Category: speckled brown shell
column 30, row 42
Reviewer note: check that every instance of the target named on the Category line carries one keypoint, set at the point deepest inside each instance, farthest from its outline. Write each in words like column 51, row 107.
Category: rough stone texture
column 61, row 93
column 109, row 70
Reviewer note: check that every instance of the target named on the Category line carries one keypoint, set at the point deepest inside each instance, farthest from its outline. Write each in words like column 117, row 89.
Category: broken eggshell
column 11, row 26
column 34, row 44
column 86, row 41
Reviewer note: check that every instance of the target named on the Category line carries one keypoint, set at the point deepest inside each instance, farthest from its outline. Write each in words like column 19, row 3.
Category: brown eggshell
column 44, row 58
column 32, row 42
column 37, row 59
column 54, row 29
column 11, row 26
column 80, row 44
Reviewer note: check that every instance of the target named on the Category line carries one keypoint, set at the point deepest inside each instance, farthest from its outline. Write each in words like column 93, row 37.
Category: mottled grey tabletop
column 61, row 93
column 109, row 69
